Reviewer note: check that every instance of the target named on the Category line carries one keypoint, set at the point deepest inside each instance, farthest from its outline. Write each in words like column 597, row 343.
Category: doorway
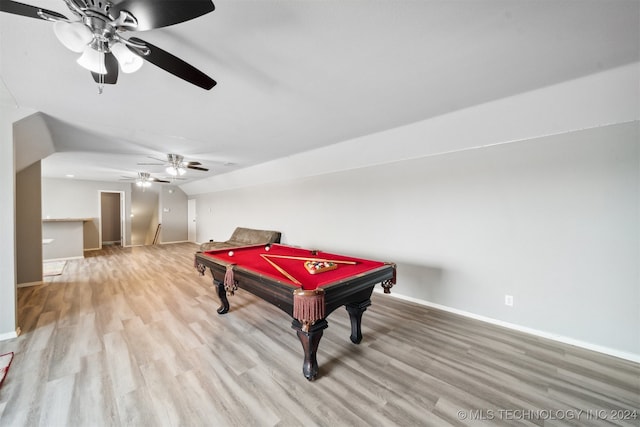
column 191, row 217
column 111, row 218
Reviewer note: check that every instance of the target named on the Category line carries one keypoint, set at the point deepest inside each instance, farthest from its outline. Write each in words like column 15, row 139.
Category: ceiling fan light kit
column 175, row 170
column 129, row 61
column 144, row 180
column 96, row 34
column 92, row 60
column 176, row 166
column 75, row 36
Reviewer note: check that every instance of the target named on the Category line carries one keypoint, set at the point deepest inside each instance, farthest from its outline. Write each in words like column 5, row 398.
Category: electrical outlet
column 508, row 300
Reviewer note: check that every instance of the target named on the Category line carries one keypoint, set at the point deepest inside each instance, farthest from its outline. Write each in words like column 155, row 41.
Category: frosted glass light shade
column 175, row 171
column 74, row 36
column 129, row 61
column 93, row 60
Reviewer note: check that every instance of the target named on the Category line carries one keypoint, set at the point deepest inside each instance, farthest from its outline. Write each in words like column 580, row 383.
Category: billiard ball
column 267, row 248
column 230, row 253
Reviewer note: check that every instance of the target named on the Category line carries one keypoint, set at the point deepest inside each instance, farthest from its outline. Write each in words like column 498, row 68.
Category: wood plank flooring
column 130, row 337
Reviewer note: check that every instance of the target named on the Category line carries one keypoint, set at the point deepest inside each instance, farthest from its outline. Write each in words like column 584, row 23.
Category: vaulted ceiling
column 295, row 75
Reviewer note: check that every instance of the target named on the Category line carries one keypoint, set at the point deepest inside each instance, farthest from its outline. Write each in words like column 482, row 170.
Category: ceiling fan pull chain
column 100, row 83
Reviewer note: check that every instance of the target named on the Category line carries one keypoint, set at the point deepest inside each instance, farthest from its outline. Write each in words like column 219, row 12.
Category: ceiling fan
column 175, row 164
column 144, row 179
column 97, row 25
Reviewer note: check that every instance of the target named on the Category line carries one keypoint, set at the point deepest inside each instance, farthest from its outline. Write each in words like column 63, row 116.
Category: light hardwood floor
column 131, row 337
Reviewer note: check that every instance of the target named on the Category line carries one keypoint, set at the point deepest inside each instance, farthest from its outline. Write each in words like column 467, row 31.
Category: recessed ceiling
column 296, row 75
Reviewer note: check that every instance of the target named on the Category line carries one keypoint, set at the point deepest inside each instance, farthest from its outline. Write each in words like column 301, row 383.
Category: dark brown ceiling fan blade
column 111, row 64
column 173, row 65
column 152, row 14
column 193, row 163
column 26, row 10
column 198, row 168
column 159, row 180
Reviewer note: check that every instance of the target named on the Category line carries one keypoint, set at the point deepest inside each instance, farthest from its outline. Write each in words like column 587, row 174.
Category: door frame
column 192, row 221
column 122, row 216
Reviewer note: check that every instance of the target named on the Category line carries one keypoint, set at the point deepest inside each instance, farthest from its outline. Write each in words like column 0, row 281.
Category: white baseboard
column 27, row 284
column 8, row 336
column 555, row 337
column 63, row 259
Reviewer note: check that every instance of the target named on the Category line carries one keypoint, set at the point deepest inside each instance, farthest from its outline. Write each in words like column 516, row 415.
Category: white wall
column 551, row 221
column 29, row 250
column 173, row 214
column 64, row 198
column 9, row 114
column 596, row 100
column 547, row 211
column 7, row 231
column 72, row 198
column 144, row 211
column 33, row 140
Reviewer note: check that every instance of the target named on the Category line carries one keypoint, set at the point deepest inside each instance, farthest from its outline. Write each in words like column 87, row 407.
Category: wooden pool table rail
column 354, row 293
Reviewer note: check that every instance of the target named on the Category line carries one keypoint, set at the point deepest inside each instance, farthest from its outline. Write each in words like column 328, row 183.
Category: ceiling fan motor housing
column 97, row 18
column 175, row 159
column 102, row 32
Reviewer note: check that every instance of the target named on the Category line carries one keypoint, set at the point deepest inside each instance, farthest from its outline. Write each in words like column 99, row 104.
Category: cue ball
column 230, row 253
column 266, row 248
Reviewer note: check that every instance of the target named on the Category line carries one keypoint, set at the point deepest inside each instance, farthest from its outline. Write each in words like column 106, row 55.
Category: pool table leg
column 310, row 341
column 222, row 294
column 355, row 314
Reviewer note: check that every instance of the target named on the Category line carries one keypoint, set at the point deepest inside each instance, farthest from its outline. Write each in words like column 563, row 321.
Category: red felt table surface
column 249, row 257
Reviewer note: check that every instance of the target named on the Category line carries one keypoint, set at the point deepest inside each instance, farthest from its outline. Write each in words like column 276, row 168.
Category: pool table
column 306, row 284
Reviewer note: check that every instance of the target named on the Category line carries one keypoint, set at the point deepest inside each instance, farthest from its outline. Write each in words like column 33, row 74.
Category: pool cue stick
column 311, row 259
column 280, row 269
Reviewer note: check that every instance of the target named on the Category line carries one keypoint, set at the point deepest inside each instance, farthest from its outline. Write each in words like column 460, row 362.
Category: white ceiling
column 296, row 75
